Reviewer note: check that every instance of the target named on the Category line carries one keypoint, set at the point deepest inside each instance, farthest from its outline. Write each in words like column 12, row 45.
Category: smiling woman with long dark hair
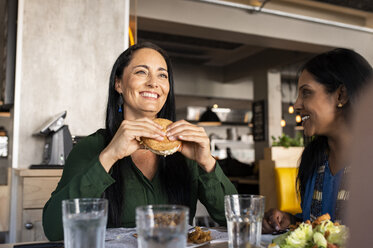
column 329, row 85
column 112, row 162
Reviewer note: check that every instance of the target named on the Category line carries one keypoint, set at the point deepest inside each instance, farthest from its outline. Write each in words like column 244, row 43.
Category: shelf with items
column 216, row 116
column 240, row 150
column 224, row 143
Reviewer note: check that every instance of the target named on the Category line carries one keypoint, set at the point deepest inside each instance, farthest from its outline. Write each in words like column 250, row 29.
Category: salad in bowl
column 321, row 233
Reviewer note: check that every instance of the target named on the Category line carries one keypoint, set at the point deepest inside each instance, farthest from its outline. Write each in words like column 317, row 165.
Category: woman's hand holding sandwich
column 196, row 143
column 126, row 140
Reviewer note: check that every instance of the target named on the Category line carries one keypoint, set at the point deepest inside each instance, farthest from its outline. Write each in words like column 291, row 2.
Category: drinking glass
column 84, row 222
column 162, row 226
column 244, row 214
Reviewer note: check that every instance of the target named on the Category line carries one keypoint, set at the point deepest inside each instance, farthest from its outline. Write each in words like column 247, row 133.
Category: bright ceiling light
column 291, row 109
column 298, row 118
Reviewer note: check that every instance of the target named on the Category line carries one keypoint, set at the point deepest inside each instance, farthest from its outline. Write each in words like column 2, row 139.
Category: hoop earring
column 120, row 103
column 340, row 105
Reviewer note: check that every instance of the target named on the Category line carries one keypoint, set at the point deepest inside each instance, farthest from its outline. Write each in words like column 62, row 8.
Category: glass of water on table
column 84, row 222
column 162, row 226
column 244, row 214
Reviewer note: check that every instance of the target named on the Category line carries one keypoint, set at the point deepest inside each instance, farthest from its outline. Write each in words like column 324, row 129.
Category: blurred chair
column 287, row 198
column 202, row 217
column 5, row 204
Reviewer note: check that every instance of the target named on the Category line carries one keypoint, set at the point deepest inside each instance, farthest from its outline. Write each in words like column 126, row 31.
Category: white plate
column 197, row 245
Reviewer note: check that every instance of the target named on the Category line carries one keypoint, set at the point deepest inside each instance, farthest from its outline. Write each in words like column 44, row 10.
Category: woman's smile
column 305, row 117
column 149, row 95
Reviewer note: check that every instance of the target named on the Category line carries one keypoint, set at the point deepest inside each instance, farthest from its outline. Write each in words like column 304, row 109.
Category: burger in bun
column 161, row 147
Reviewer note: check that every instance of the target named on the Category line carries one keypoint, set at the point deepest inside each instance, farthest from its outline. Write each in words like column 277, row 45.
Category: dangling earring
column 340, row 105
column 120, row 103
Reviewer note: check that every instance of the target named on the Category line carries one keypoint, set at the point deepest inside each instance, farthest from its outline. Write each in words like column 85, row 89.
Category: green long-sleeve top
column 84, row 177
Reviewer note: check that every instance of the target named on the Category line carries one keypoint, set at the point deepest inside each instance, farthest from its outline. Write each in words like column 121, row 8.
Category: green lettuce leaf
column 319, row 240
column 299, row 238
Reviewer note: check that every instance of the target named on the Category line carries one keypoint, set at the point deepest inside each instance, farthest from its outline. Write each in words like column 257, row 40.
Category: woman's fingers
column 126, row 139
column 201, row 140
column 275, row 222
column 185, row 129
column 134, row 132
column 276, row 219
column 266, row 227
column 182, row 125
column 134, row 129
column 177, row 123
column 143, row 124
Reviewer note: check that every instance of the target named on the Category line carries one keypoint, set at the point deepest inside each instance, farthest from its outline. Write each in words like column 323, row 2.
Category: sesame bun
column 164, row 147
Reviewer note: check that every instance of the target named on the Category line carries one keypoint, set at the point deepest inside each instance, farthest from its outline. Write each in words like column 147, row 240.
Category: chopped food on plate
column 198, row 236
column 321, row 233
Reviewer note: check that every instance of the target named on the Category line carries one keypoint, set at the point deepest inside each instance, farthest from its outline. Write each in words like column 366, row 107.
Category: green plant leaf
column 286, row 141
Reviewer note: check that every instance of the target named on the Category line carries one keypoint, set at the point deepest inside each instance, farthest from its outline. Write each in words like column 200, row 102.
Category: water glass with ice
column 162, row 226
column 244, row 214
column 84, row 222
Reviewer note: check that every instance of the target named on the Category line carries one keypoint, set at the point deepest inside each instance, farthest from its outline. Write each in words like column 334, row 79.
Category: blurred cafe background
column 235, row 65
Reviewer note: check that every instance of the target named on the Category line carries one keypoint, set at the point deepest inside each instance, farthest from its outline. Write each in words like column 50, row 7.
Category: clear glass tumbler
column 162, row 226
column 84, row 222
column 244, row 214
